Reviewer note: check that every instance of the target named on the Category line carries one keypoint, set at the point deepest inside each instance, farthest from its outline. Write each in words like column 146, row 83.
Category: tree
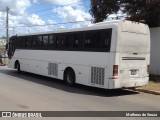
column 2, row 48
column 2, row 45
column 101, row 9
column 146, row 11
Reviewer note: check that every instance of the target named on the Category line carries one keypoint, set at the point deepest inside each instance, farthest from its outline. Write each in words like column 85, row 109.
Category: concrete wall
column 155, row 51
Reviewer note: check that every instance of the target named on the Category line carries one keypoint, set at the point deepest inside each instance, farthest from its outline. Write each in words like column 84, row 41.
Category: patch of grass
column 154, row 83
column 152, row 86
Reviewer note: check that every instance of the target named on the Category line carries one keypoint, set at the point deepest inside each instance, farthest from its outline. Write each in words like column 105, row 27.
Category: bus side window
column 62, row 41
column 57, row 40
column 78, row 40
column 26, row 42
column 69, row 40
column 40, row 42
column 90, row 38
column 22, row 42
column 45, row 41
column 60, row 38
column 34, row 41
column 17, row 43
column 99, row 42
column 86, row 40
column 30, row 41
column 105, row 39
column 52, row 41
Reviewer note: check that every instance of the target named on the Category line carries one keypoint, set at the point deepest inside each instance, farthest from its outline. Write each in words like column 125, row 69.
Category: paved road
column 32, row 92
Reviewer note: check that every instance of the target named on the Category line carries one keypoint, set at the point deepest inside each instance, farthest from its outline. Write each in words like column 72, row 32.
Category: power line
column 46, row 15
column 2, row 29
column 2, row 9
column 43, row 10
column 53, row 24
column 2, row 26
column 56, row 7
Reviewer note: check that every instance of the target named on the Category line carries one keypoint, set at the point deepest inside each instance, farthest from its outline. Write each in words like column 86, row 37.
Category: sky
column 28, row 16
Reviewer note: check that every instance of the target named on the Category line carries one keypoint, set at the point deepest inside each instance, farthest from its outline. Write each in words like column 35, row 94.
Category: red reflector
column 114, row 78
column 115, row 70
column 147, row 69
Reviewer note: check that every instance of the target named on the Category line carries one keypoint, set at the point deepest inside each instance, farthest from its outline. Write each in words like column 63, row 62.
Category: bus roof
column 100, row 25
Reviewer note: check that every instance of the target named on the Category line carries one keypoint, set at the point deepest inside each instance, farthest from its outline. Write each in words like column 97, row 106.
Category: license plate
column 133, row 72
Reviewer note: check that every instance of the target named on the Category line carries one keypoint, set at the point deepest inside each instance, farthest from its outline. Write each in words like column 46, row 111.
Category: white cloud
column 62, row 27
column 34, row 1
column 30, row 20
column 34, row 20
column 16, row 6
column 72, row 14
column 68, row 13
column 19, row 17
column 51, row 22
column 62, row 2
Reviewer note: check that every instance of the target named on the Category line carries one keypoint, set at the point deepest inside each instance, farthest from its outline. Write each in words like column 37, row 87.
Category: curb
column 148, row 91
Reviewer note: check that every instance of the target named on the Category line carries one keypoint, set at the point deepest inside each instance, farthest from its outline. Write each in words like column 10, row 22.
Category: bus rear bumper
column 131, row 82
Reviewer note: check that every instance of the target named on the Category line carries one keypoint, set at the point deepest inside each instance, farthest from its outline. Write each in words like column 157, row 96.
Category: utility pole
column 7, row 26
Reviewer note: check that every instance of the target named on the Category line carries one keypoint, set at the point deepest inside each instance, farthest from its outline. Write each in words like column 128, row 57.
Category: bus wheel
column 69, row 77
column 18, row 67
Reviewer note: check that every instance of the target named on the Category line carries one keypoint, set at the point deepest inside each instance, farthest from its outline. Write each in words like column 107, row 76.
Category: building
column 155, row 51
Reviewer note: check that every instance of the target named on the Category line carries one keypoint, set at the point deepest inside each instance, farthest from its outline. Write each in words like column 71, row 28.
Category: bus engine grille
column 53, row 69
column 97, row 75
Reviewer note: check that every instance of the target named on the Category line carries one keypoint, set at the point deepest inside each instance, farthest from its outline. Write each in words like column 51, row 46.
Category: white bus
column 107, row 55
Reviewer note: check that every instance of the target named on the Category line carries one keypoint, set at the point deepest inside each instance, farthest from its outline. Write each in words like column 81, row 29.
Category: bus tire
column 18, row 67
column 69, row 77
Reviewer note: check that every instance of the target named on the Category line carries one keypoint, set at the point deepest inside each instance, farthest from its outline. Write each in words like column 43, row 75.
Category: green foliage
column 2, row 48
column 101, row 9
column 146, row 11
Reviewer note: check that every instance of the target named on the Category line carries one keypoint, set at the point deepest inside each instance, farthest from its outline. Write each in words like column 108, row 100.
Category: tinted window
column 18, row 42
column 34, row 42
column 26, row 42
column 69, row 40
column 45, row 41
column 52, row 40
column 22, row 42
column 78, row 39
column 60, row 40
column 39, row 41
column 104, row 37
column 93, row 40
column 90, row 39
column 30, row 42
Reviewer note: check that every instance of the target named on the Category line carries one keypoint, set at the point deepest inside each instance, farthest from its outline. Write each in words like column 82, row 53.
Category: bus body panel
column 37, row 62
column 132, row 55
column 130, row 50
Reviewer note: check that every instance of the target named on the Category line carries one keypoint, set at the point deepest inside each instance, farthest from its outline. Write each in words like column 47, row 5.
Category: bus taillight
column 147, row 69
column 115, row 70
